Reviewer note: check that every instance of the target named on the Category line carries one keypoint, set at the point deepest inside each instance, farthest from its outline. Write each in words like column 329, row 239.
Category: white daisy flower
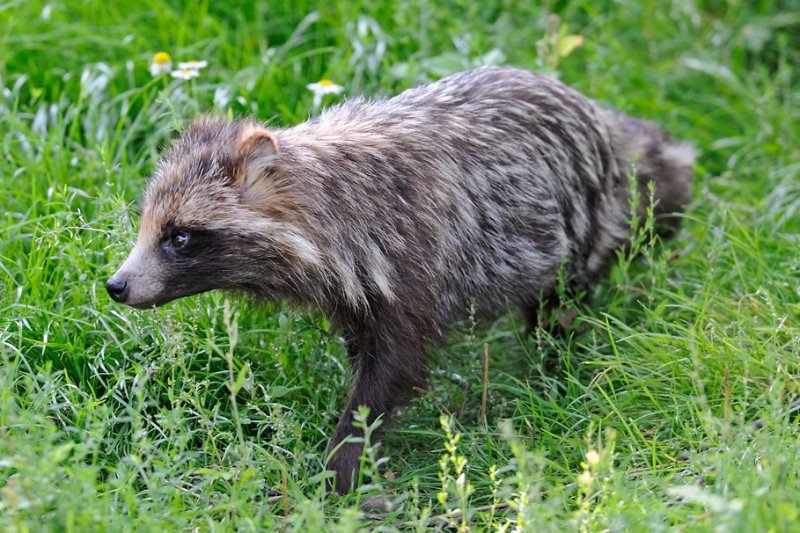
column 162, row 64
column 185, row 73
column 321, row 88
column 192, row 65
column 222, row 97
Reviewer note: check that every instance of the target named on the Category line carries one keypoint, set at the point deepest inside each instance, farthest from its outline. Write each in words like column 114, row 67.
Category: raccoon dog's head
column 219, row 213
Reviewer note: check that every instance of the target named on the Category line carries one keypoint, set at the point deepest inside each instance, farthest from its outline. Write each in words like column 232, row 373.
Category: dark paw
column 345, row 464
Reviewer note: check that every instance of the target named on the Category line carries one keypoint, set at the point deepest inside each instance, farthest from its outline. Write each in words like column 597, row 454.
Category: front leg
column 386, row 368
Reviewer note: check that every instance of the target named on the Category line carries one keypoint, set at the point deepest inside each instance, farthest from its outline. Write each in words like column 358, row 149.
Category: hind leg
column 662, row 161
column 551, row 314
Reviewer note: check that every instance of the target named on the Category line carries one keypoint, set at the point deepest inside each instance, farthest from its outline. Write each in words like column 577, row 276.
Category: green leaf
column 568, row 43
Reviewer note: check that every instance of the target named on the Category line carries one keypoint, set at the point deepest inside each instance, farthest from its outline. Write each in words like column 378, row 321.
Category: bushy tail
column 657, row 158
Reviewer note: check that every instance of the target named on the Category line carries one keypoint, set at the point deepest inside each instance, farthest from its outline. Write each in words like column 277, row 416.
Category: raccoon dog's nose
column 118, row 290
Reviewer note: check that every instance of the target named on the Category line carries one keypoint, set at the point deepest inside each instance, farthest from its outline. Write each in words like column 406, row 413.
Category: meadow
column 671, row 405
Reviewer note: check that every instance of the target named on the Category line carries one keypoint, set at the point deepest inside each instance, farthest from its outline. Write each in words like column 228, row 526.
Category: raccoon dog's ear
column 255, row 142
column 257, row 150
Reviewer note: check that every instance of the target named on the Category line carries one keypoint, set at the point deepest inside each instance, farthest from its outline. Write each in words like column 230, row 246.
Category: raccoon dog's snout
column 118, row 290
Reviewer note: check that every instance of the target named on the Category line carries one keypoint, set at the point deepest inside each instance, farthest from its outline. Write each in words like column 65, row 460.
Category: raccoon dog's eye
column 179, row 240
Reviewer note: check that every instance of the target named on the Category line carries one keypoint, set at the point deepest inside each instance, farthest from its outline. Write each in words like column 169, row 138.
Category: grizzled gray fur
column 393, row 216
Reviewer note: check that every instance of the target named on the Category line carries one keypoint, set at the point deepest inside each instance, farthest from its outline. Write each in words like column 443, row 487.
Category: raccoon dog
column 392, row 217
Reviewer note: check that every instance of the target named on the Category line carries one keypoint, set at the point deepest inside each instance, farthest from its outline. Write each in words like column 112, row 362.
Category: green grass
column 683, row 374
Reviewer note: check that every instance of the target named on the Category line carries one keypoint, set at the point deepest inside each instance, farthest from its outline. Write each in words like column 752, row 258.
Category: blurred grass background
column 681, row 376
